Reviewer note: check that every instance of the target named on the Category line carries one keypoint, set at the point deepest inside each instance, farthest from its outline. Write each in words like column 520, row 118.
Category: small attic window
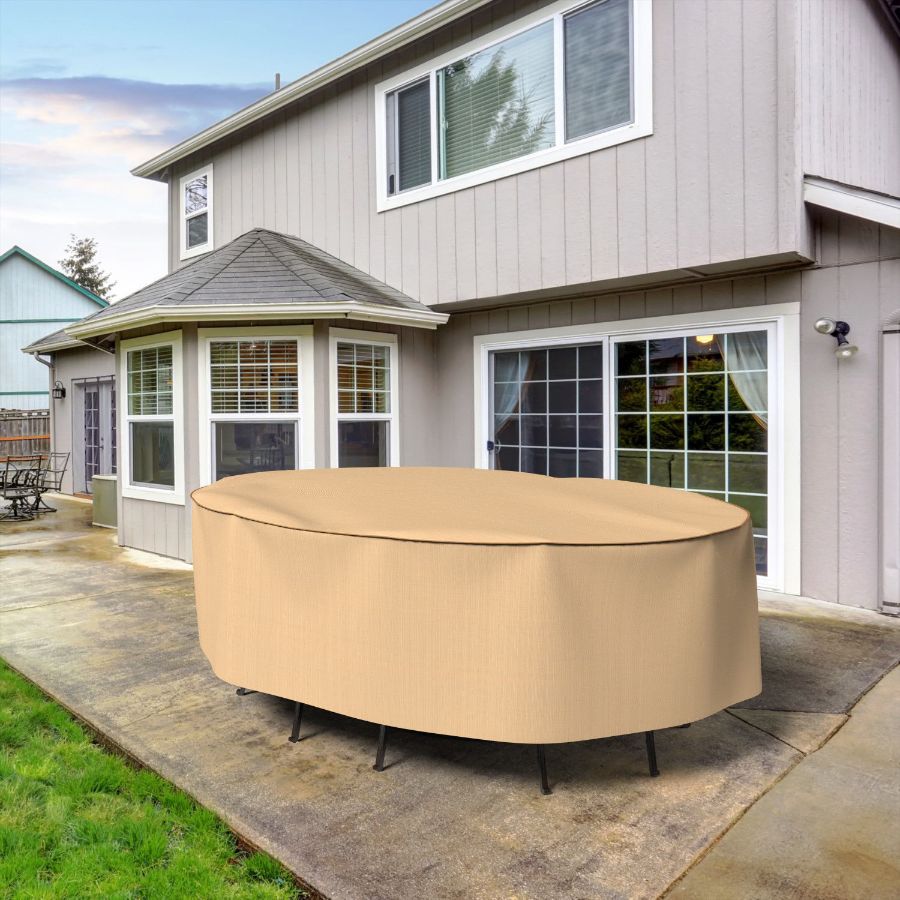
column 195, row 204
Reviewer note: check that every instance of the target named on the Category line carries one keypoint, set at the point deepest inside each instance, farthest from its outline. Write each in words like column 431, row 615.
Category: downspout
column 51, row 408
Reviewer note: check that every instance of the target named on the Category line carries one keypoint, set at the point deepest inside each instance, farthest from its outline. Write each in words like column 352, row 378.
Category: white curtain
column 747, row 350
column 506, row 395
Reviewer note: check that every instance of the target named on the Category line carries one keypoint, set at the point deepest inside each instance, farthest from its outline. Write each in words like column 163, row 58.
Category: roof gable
column 15, row 250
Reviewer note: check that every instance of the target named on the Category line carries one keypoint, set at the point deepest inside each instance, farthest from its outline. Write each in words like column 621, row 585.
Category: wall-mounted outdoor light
column 58, row 391
column 839, row 331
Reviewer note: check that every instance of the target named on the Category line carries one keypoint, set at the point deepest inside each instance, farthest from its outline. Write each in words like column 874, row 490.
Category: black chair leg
column 651, row 753
column 542, row 768
column 295, row 730
column 379, row 753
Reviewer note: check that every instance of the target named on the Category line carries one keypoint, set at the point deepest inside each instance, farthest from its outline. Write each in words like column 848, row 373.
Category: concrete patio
column 795, row 793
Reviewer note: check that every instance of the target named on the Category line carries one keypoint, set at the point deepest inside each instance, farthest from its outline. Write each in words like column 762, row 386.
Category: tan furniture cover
column 492, row 605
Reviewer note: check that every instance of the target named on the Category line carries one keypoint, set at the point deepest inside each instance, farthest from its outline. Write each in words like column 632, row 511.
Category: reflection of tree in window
column 498, row 104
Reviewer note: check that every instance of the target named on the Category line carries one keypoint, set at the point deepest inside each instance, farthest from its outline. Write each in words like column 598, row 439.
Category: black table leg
column 542, row 767
column 651, row 753
column 295, row 730
column 379, row 753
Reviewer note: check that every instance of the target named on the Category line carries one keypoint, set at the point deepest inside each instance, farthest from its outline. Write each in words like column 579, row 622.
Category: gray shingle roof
column 262, row 267
column 53, row 341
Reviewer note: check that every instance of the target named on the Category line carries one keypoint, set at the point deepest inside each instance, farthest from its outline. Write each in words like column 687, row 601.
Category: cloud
column 68, row 145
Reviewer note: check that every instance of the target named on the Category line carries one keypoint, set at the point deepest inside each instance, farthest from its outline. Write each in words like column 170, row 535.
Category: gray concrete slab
column 116, row 642
column 830, row 830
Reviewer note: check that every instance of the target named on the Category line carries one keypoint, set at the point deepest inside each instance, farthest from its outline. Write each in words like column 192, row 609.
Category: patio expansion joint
column 798, row 761
column 12, row 609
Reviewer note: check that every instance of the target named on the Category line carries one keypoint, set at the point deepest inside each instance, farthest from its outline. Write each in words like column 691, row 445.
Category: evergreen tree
column 81, row 266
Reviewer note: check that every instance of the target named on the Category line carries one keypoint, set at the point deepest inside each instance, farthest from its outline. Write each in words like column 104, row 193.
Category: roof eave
column 36, row 349
column 154, row 315
column 428, row 21
column 852, row 200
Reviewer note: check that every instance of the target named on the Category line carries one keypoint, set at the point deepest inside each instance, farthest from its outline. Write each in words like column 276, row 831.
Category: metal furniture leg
column 295, row 731
column 651, row 753
column 242, row 692
column 379, row 753
column 542, row 767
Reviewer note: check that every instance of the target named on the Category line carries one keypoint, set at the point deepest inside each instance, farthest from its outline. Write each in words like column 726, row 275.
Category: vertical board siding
column 706, row 186
column 850, row 102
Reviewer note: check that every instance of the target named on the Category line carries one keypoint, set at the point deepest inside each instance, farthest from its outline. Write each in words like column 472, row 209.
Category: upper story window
column 195, row 198
column 566, row 80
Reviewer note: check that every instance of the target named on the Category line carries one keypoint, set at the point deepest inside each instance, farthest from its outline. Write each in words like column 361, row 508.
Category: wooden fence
column 23, row 432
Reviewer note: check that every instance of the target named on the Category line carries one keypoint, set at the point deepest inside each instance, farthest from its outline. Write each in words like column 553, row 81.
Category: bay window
column 364, row 399
column 151, row 440
column 195, row 211
column 568, row 79
column 254, row 393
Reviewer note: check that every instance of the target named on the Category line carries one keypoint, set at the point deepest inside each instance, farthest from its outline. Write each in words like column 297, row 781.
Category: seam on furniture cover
column 449, row 543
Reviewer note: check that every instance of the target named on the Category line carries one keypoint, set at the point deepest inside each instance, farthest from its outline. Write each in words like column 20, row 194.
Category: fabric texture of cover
column 484, row 604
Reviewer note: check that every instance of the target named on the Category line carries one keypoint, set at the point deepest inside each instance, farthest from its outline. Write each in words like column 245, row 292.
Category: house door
column 94, row 431
column 547, row 410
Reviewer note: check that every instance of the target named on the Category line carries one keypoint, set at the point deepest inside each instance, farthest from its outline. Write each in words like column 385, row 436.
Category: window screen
column 598, row 68
column 409, row 119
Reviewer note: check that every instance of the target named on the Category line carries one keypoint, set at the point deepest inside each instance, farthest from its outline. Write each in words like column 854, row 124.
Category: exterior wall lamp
column 839, row 331
column 58, row 391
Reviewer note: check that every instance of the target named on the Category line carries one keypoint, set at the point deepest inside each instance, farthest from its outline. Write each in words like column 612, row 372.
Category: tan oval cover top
column 469, row 506
column 491, row 605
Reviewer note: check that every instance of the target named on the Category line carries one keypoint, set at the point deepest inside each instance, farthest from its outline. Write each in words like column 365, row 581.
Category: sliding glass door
column 685, row 409
column 548, row 410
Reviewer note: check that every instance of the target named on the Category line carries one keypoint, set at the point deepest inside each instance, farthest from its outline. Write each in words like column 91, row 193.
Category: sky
column 91, row 88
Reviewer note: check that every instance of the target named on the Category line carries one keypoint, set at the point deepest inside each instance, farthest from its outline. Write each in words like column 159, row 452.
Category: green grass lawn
column 78, row 821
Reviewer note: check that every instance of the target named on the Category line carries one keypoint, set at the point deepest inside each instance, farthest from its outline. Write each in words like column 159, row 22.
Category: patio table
column 483, row 604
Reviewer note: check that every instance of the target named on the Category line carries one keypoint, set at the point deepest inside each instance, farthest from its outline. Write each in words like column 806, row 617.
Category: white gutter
column 153, row 315
column 52, row 348
column 853, row 201
column 428, row 21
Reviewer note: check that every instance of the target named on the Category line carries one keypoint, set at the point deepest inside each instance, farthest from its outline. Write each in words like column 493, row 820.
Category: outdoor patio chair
column 50, row 479
column 21, row 475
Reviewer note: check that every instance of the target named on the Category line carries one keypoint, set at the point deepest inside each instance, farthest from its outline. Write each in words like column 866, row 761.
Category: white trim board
column 852, row 201
column 136, row 492
column 783, row 321
column 305, row 417
column 259, row 312
column 379, row 338
column 640, row 126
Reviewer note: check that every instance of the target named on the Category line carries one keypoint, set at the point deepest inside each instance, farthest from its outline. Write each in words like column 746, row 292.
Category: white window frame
column 378, row 339
column 173, row 495
column 640, row 126
column 183, row 251
column 304, row 417
column 783, row 323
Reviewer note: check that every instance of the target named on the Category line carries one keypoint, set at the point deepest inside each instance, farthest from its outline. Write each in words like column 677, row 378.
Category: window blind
column 598, row 68
column 497, row 104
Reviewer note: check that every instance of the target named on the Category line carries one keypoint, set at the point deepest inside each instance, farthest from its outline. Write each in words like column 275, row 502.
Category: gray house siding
column 70, row 366
column 850, row 102
column 717, row 181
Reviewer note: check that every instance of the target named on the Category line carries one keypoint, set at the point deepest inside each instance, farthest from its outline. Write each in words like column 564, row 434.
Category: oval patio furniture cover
column 483, row 604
